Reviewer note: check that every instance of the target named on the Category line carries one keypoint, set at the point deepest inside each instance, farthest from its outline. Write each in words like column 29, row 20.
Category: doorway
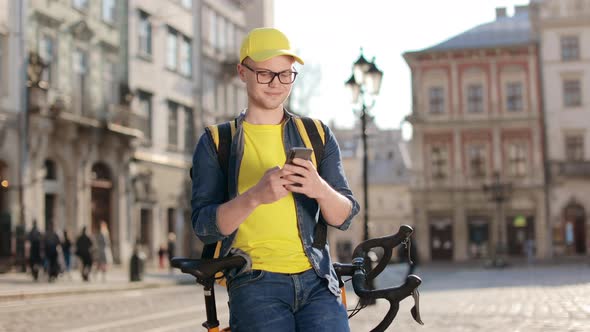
column 102, row 187
column 574, row 220
column 441, row 239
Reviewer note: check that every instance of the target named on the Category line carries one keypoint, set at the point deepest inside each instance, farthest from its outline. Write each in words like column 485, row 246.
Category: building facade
column 80, row 137
column 563, row 30
column 12, row 64
column 182, row 71
column 477, row 119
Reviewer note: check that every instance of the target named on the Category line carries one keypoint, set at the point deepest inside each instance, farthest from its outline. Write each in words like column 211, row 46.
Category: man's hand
column 271, row 187
column 303, row 172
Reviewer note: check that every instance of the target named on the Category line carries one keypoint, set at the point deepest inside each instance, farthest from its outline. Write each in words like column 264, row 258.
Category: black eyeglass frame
column 274, row 74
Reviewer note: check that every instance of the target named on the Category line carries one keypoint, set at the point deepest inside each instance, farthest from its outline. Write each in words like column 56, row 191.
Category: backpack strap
column 314, row 137
column 222, row 136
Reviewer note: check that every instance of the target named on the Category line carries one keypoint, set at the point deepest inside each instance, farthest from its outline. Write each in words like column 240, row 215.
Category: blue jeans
column 266, row 301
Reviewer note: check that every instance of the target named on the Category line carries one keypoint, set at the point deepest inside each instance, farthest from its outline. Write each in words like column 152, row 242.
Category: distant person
column 413, row 256
column 52, row 245
column 171, row 249
column 104, row 256
column 66, row 248
column 83, row 251
column 35, row 259
column 161, row 254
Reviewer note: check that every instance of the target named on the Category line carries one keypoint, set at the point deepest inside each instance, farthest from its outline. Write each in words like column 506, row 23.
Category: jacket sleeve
column 208, row 191
column 332, row 171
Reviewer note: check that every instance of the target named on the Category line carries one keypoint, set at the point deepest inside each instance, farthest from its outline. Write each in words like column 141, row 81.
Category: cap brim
column 265, row 55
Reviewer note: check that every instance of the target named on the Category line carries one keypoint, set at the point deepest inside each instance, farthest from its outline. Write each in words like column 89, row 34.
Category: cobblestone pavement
column 520, row 298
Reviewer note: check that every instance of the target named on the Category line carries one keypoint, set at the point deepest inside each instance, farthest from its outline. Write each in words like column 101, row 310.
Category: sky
column 328, row 35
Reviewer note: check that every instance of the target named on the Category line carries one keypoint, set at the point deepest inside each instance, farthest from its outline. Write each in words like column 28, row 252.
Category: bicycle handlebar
column 387, row 243
column 393, row 294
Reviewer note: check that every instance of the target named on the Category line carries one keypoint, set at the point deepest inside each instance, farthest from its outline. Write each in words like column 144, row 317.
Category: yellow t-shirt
column 270, row 235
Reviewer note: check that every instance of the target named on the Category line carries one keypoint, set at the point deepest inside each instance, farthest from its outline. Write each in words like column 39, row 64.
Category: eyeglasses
column 267, row 76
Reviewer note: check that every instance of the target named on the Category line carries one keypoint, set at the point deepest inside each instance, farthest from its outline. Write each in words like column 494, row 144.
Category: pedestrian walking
column 171, row 249
column 66, row 248
column 35, row 258
column 104, row 256
column 161, row 254
column 83, row 251
column 52, row 244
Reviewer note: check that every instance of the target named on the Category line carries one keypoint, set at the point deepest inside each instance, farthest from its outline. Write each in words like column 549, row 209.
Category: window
column 188, row 4
column 570, row 49
column 109, row 10
column 209, row 91
column 170, row 213
column 475, row 98
column 221, row 37
column 189, row 130
column 574, row 147
column 439, row 160
column 80, row 66
column 572, row 93
column 185, row 56
column 514, row 96
column 47, row 54
column 145, row 112
column 110, row 90
column 517, row 159
column 477, row 161
column 80, row 4
column 145, row 34
column 50, row 170
column 212, row 28
column 231, row 39
column 171, row 50
column 436, row 100
column 172, row 124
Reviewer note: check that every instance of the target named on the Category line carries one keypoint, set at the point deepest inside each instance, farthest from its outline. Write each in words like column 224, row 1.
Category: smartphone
column 298, row 152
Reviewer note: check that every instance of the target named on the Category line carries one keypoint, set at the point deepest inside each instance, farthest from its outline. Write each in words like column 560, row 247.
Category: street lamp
column 498, row 192
column 364, row 83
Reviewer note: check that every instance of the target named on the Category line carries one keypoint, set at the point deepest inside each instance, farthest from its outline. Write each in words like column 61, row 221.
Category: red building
column 477, row 120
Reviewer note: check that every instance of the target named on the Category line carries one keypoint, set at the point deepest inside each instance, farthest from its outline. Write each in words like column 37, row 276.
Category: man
column 272, row 207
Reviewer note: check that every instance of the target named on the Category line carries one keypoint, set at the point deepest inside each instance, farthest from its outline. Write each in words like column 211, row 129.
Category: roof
column 504, row 31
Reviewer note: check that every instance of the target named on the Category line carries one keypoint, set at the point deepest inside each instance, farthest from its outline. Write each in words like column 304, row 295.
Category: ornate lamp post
column 499, row 193
column 364, row 85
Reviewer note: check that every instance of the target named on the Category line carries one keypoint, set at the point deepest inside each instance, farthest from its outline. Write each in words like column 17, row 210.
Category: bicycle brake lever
column 415, row 311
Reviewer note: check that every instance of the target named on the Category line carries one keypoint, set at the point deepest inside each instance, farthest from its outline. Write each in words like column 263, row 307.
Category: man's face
column 269, row 96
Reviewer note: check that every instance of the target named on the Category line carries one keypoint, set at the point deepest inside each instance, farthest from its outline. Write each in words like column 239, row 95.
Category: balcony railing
column 572, row 168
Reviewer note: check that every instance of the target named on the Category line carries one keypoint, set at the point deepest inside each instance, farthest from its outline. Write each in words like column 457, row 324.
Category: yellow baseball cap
column 262, row 44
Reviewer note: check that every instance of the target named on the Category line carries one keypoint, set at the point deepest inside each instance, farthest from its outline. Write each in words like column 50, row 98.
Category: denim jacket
column 209, row 186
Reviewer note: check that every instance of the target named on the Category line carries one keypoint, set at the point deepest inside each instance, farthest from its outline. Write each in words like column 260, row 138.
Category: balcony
column 121, row 119
column 572, row 169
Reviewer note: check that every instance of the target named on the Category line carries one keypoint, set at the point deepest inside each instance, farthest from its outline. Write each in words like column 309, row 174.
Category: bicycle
column 205, row 271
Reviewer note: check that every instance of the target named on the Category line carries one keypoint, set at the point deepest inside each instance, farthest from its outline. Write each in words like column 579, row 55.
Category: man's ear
column 241, row 72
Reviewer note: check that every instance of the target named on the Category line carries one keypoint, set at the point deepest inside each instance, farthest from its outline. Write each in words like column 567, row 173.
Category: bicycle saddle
column 204, row 269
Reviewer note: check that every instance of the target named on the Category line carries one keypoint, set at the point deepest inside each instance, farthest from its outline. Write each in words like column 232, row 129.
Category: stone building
column 81, row 140
column 563, row 30
column 12, row 63
column 183, row 76
column 477, row 118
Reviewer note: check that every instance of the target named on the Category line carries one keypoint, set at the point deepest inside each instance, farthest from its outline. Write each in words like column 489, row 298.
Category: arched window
column 100, row 171
column 50, row 170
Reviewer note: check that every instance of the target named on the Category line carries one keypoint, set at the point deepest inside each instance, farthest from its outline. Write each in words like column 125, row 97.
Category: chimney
column 500, row 12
